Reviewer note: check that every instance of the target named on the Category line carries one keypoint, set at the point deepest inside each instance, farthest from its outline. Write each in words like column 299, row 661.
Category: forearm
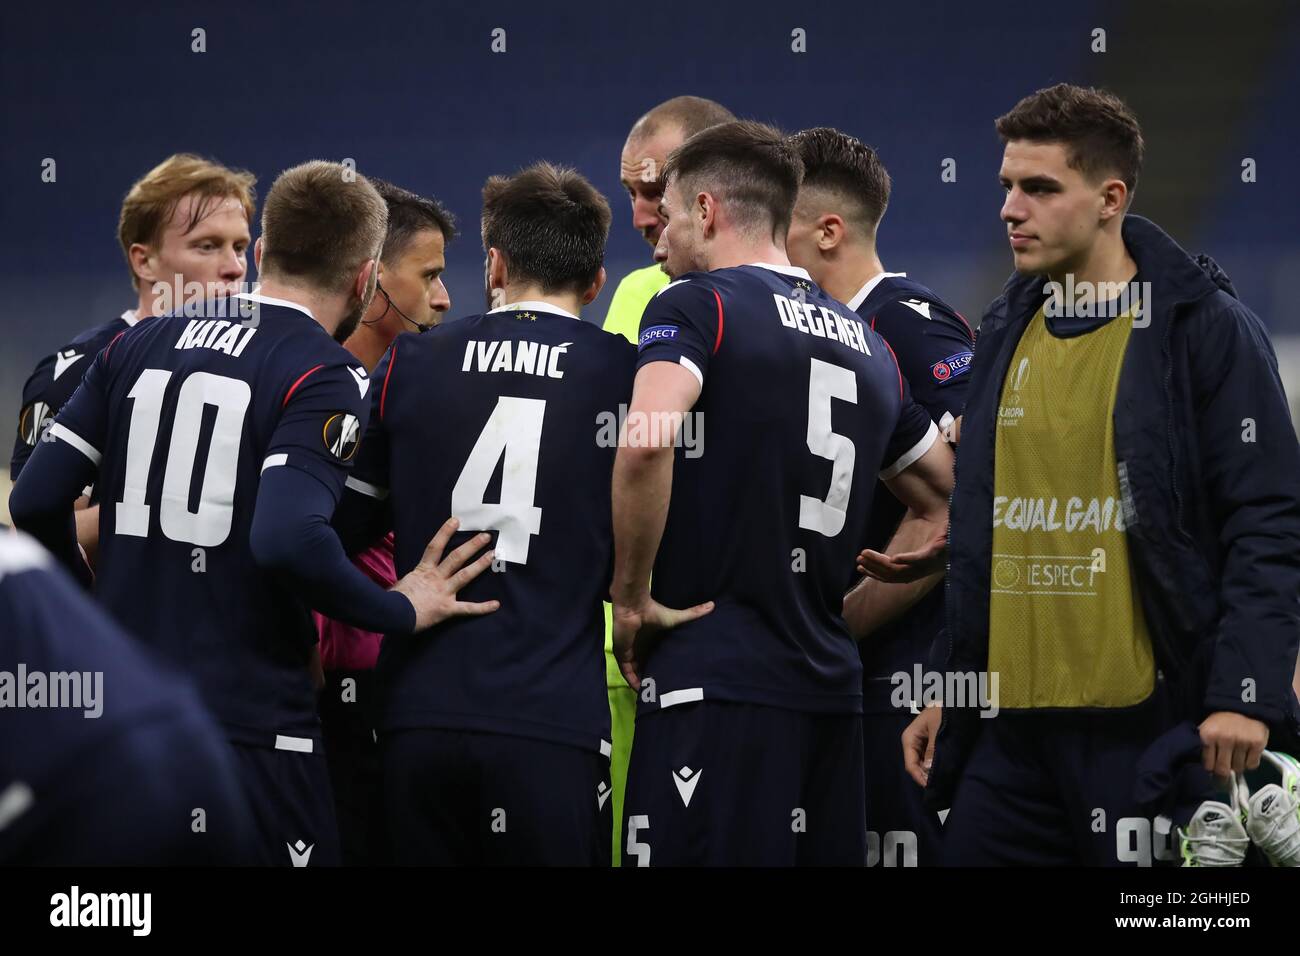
column 42, row 500
column 643, row 479
column 291, row 537
column 872, row 604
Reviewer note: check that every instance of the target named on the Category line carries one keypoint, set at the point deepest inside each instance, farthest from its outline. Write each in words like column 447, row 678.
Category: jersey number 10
column 209, row 525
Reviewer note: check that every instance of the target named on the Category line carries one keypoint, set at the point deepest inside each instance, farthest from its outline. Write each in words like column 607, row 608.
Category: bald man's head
column 652, row 138
column 689, row 114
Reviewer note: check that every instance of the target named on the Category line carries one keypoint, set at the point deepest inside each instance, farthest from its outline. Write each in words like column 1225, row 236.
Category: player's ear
column 257, row 254
column 361, row 285
column 497, row 272
column 830, row 232
column 1114, row 199
column 139, row 255
column 706, row 209
column 593, row 290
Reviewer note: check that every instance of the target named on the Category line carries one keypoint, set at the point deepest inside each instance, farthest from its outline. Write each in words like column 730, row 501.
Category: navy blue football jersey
column 182, row 415
column 802, row 407
column 508, row 421
column 934, row 346
column 52, row 383
column 103, row 754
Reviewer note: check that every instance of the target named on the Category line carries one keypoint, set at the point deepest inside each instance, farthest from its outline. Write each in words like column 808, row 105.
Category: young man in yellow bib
column 1125, row 537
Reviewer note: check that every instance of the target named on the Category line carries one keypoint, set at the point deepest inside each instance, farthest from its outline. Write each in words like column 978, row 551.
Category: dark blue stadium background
column 413, row 93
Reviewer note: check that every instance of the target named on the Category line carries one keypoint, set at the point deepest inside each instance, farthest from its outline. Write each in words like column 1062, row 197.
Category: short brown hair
column 551, row 225
column 1100, row 133
column 320, row 222
column 849, row 168
column 409, row 213
column 752, row 167
column 152, row 199
column 690, row 114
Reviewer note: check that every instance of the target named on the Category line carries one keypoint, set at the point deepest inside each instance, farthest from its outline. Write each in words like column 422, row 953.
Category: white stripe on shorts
column 684, row 696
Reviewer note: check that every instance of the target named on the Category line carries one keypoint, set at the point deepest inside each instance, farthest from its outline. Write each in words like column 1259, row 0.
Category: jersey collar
column 794, row 271
column 130, row 317
column 535, row 306
column 268, row 300
column 870, row 287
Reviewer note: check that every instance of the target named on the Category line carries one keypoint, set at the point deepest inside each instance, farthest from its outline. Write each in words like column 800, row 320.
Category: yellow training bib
column 1066, row 627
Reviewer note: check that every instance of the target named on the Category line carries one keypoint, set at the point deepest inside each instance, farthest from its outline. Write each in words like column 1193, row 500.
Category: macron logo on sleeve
column 64, row 360
column 363, row 381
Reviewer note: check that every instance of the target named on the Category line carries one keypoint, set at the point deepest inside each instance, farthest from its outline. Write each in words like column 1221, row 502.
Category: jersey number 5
column 514, row 429
column 825, row 382
column 209, row 525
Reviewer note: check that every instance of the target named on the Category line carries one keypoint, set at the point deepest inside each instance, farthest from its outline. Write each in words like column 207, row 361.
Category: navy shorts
column 288, row 795
column 467, row 798
column 1056, row 788
column 352, row 754
column 714, row 783
column 901, row 831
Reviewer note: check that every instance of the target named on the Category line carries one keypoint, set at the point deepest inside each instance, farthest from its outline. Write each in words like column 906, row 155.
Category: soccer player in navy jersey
column 184, row 224
column 106, row 759
column 220, row 445
column 841, row 201
column 495, row 730
column 749, row 734
column 653, row 136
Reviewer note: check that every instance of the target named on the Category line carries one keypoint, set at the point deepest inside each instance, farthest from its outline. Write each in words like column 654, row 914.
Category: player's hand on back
column 432, row 584
column 635, row 626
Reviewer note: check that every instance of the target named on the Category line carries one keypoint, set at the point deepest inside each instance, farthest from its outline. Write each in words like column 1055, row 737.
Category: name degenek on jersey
column 812, row 319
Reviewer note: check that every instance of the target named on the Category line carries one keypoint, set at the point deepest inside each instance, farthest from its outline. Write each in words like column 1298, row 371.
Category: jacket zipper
column 947, row 580
column 1175, row 659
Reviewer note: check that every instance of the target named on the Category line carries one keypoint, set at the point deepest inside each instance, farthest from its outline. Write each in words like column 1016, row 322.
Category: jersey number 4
column 514, row 429
column 209, row 524
column 825, row 382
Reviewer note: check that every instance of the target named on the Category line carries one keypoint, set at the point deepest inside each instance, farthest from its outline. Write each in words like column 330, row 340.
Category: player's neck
column 844, row 277
column 367, row 346
column 145, row 305
column 324, row 309
column 1107, row 261
column 734, row 251
column 568, row 301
